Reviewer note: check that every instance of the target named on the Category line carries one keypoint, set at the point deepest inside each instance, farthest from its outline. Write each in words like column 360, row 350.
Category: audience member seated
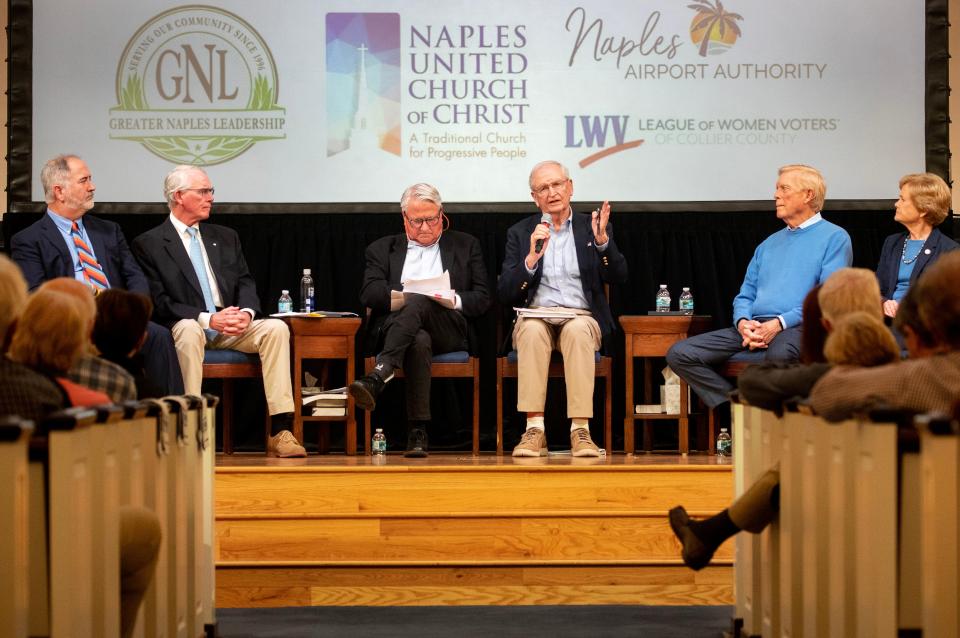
column 923, row 205
column 768, row 384
column 51, row 335
column 53, row 331
column 858, row 339
column 118, row 332
column 930, row 380
column 767, row 312
column 23, row 391
column 90, row 370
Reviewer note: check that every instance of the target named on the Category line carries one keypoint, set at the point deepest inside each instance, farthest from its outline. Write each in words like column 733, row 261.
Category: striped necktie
column 92, row 272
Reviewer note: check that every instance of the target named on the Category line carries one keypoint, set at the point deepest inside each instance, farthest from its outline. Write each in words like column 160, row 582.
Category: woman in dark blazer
column 924, row 203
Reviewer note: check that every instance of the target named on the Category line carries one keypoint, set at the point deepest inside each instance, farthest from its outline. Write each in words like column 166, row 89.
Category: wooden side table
column 323, row 338
column 651, row 336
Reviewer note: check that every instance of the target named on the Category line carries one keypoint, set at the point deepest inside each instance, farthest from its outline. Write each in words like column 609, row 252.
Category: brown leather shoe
column 581, row 444
column 284, row 445
column 532, row 443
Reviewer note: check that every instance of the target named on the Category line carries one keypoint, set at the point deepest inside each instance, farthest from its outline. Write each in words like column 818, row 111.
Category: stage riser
column 384, row 586
column 463, row 535
column 379, row 491
column 451, row 540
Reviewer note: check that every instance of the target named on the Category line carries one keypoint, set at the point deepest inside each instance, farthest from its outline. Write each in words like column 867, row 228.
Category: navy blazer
column 517, row 287
column 173, row 281
column 937, row 244
column 42, row 254
column 460, row 254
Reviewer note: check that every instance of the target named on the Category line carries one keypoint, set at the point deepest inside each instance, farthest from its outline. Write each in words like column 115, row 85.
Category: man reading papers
column 446, row 283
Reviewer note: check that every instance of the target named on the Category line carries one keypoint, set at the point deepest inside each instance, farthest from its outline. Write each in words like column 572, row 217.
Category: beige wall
column 954, row 45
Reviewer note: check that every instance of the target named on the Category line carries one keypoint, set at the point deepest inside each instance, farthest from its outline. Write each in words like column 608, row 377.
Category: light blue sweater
column 785, row 266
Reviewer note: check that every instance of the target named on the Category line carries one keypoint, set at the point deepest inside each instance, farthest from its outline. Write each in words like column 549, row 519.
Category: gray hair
column 177, row 180
column 540, row 165
column 56, row 172
column 423, row 192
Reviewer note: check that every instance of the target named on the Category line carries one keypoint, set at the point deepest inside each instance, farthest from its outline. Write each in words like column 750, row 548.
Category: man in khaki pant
column 560, row 261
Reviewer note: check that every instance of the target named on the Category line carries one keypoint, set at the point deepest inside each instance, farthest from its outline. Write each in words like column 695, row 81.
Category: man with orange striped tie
column 66, row 242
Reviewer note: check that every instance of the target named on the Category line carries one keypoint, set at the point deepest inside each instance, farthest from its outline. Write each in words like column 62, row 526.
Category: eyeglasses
column 543, row 189
column 430, row 221
column 203, row 192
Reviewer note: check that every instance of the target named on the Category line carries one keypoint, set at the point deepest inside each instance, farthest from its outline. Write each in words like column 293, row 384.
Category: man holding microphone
column 559, row 260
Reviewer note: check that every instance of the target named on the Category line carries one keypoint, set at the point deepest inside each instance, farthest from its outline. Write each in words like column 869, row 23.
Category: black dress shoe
column 696, row 554
column 365, row 391
column 416, row 443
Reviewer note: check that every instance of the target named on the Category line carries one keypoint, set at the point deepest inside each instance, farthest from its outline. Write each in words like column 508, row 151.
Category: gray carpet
column 500, row 622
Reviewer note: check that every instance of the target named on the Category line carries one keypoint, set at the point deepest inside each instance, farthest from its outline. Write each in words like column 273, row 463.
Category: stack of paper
column 326, row 402
column 436, row 288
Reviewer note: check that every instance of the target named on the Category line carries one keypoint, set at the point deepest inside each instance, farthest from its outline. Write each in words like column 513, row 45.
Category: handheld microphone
column 545, row 220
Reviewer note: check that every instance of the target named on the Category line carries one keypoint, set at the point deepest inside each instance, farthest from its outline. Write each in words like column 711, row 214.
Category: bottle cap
column 306, row 271
column 663, row 285
column 686, row 289
column 723, row 429
column 285, row 292
column 379, row 429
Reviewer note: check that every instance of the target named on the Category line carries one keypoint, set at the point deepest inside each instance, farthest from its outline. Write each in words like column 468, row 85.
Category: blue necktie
column 196, row 256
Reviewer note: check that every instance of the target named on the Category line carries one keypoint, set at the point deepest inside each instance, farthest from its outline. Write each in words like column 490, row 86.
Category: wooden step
column 557, row 530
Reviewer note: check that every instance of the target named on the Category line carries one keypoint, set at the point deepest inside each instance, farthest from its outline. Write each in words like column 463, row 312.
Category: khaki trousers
column 270, row 338
column 578, row 340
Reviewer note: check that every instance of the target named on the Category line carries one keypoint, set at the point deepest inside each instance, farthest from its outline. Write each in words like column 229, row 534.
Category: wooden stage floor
column 454, row 529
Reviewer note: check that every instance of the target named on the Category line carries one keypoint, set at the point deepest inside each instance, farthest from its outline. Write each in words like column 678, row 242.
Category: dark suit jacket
column 516, row 287
column 937, row 244
column 173, row 281
column 459, row 253
column 42, row 254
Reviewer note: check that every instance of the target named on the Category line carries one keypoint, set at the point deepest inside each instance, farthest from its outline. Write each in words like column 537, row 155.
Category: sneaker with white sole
column 532, row 443
column 581, row 444
column 285, row 445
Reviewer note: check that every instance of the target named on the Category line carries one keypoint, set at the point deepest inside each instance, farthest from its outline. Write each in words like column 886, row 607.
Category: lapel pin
column 214, row 244
column 926, row 252
column 589, row 243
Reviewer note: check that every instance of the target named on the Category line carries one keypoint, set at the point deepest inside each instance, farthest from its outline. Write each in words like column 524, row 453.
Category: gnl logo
column 197, row 85
column 597, row 131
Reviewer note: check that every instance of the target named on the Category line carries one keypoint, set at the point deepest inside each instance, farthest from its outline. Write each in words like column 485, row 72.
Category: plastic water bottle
column 663, row 299
column 686, row 302
column 286, row 302
column 724, row 443
column 379, row 443
column 306, row 292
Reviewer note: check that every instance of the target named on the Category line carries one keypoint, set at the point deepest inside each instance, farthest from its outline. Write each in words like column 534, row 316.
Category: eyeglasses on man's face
column 556, row 185
column 430, row 221
column 203, row 192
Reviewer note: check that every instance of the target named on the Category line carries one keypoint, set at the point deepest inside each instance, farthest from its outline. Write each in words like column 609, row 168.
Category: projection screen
column 330, row 101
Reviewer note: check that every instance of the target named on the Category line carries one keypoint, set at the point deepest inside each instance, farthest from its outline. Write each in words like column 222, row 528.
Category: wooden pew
column 139, row 459
column 746, row 468
column 940, row 527
column 207, row 586
column 15, row 434
column 105, row 530
column 61, row 524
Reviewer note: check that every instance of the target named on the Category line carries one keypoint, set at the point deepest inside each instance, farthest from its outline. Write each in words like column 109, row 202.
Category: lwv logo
column 598, row 131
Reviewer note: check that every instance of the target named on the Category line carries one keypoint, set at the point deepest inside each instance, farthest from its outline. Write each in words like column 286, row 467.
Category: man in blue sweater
column 767, row 312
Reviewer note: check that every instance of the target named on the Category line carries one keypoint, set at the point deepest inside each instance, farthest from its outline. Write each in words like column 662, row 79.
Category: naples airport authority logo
column 713, row 28
column 363, row 83
column 197, row 85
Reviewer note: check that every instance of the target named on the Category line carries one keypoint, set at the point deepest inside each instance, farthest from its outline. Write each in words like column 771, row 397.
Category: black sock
column 714, row 530
column 280, row 422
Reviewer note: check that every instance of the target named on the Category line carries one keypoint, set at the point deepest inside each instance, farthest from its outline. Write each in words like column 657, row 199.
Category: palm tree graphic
column 712, row 17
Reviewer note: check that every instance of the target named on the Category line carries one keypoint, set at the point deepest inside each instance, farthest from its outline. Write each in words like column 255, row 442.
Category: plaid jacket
column 26, row 393
column 105, row 376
